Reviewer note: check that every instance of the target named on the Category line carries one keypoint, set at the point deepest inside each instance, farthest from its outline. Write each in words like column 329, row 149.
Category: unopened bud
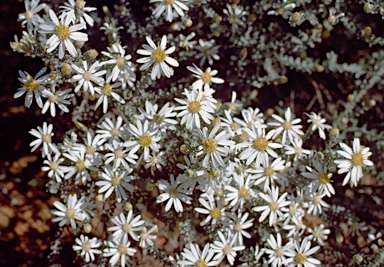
column 66, row 69
column 334, row 132
column 185, row 149
column 367, row 7
column 367, row 31
column 128, row 206
column 295, row 17
column 87, row 228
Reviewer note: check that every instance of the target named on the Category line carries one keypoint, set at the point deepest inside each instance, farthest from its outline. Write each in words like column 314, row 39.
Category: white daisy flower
column 63, row 34
column 321, row 178
column 226, row 248
column 316, row 203
column 167, row 5
column 44, row 136
column 58, row 98
column 146, row 138
column 174, row 193
column 230, row 124
column 276, row 252
column 54, row 169
column 355, row 159
column 111, row 130
column 119, row 250
column 235, row 14
column 207, row 51
column 195, row 257
column 185, row 41
column 299, row 255
column 269, row 174
column 205, row 78
column 92, row 147
column 69, row 213
column 286, row 126
column 119, row 156
column 214, row 146
column 259, row 146
column 296, row 148
column 114, row 180
column 33, row 86
column 126, row 225
column 30, row 17
column 241, row 191
column 147, row 236
column 107, row 91
column 86, row 78
column 251, row 116
column 212, row 207
column 275, row 203
column 318, row 123
column 238, row 224
column 80, row 11
column 81, row 168
column 193, row 108
column 88, row 247
column 161, row 118
column 319, row 234
column 193, row 172
column 157, row 56
column 155, row 162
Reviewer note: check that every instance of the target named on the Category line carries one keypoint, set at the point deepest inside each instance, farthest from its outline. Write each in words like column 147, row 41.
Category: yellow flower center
column 126, row 227
column 233, row 19
column 62, row 32
column 234, row 126
column 227, row 249
column 274, row 206
column 53, row 98
column 158, row 119
column 86, row 247
column 269, row 171
column 194, row 106
column 31, row 84
column 215, row 213
column 122, row 249
column 70, row 214
column 357, row 159
column 46, row 138
column 87, row 75
column 201, row 263
column 237, row 227
column 119, row 154
column 29, row 15
column 54, row 166
column 316, row 199
column 243, row 192
column 158, row 55
column 244, row 137
column 107, row 89
column 260, row 143
column 279, row 252
column 116, row 180
column 323, row 178
column 80, row 165
column 173, row 193
column 120, row 61
column 210, row 145
column 287, row 125
column 145, row 140
column 298, row 150
column 90, row 150
column 206, row 77
column 115, row 132
column 300, row 258
column 239, row 170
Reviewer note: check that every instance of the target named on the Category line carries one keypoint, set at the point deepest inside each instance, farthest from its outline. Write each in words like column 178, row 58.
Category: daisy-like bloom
column 242, row 190
column 91, row 147
column 286, row 126
column 125, row 226
column 205, row 78
column 259, row 146
column 207, row 51
column 226, row 248
column 317, row 203
column 194, row 107
column 122, row 67
column 318, row 123
column 300, row 255
column 81, row 168
column 30, row 17
column 251, row 116
column 355, row 159
column 185, row 41
column 112, row 130
column 296, row 229
column 296, row 149
column 119, row 251
column 161, row 118
column 319, row 234
column 213, row 208
column 276, row 251
column 321, row 178
column 157, row 56
column 155, row 162
column 147, row 236
column 88, row 247
column 275, row 203
column 214, row 146
column 119, row 155
column 230, row 124
column 167, row 5
column 110, row 28
column 115, row 180
column 69, row 213
column 87, row 77
column 195, row 257
column 174, row 193
column 53, row 167
column 193, row 172
column 80, row 11
column 146, row 138
column 270, row 173
column 58, row 98
column 237, row 226
column 235, row 15
column 62, row 34
column 107, row 91
column 44, row 136
column 293, row 211
column 33, row 86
